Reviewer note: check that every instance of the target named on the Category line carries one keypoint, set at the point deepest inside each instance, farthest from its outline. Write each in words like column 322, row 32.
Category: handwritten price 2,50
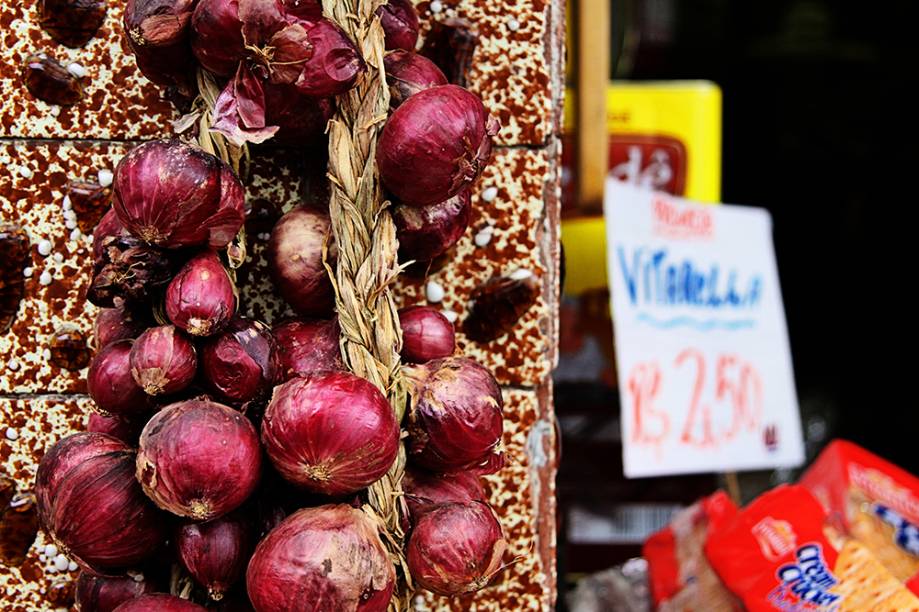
column 727, row 383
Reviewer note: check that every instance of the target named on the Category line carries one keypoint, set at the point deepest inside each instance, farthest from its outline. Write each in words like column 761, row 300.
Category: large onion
column 306, row 346
column 427, row 232
column 174, row 195
column 89, row 502
column 325, row 558
column 199, row 459
column 330, row 432
column 295, row 261
column 241, row 363
column 201, row 299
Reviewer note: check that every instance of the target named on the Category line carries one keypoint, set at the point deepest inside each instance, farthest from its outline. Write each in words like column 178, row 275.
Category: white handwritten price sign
column 705, row 372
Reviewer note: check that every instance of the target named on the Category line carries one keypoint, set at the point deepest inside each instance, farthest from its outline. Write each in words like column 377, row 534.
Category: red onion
column 163, row 361
column 455, row 548
column 114, row 324
column 215, row 553
column 175, row 195
column 435, row 144
column 455, row 422
column 201, row 299
column 295, row 262
column 159, row 602
column 330, row 432
column 408, row 73
column 105, row 593
column 427, row 232
column 126, row 431
column 241, row 363
column 299, row 117
column 331, row 557
column 109, row 226
column 111, row 385
column 400, row 24
column 89, row 502
column 334, row 65
column 307, row 346
column 128, row 271
column 199, row 459
column 426, row 334
column 158, row 33
column 423, row 490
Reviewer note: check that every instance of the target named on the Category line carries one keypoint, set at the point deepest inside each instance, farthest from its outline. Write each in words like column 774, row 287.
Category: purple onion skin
column 159, row 602
column 400, row 24
column 111, row 385
column 163, row 361
column 331, row 557
column 109, row 225
column 89, row 502
column 241, row 364
column 199, row 459
column 427, row 232
column 307, row 10
column 307, row 346
column 215, row 553
column 455, row 548
column 201, row 299
column 426, row 334
column 126, row 431
column 158, row 34
column 105, row 593
column 331, row 432
column 335, row 64
column 217, row 38
column 114, row 324
column 455, row 421
column 295, row 262
column 408, row 73
column 175, row 195
column 424, row 490
column 435, row 145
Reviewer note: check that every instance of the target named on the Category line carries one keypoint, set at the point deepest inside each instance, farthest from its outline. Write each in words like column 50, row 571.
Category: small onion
column 128, row 271
column 215, row 553
column 423, row 489
column 435, row 144
column 158, row 33
column 295, row 261
column 111, row 385
column 241, row 363
column 455, row 421
column 159, row 602
column 89, row 502
column 201, row 299
column 105, row 593
column 109, row 226
column 163, row 361
column 426, row 334
column 408, row 73
column 114, row 324
column 455, row 548
column 400, row 24
column 330, row 432
column 325, row 558
column 175, row 195
column 307, row 346
column 126, row 431
column 334, row 65
column 427, row 232
column 199, row 459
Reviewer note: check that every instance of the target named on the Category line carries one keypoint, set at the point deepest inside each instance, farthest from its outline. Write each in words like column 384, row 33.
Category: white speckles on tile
column 436, row 6
column 76, row 234
column 77, row 70
column 50, row 551
column 69, row 214
column 489, row 194
column 44, row 248
column 513, row 25
column 55, row 110
column 72, row 567
column 450, row 315
column 70, row 224
column 27, row 271
column 520, row 274
column 61, row 563
column 106, row 177
column 12, row 365
column 483, row 236
column 26, row 172
column 434, row 292
column 45, row 278
column 67, row 204
column 46, row 354
column 11, row 434
column 59, row 257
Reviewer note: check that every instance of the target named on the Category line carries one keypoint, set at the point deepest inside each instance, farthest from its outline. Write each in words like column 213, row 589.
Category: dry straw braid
column 367, row 265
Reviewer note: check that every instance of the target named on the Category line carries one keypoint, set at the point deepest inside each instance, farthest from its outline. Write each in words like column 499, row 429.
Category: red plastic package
column 679, row 574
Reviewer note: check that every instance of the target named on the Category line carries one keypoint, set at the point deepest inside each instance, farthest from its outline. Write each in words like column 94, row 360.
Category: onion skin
column 111, row 385
column 175, row 195
column 427, row 232
column 158, row 34
column 201, row 299
column 435, row 145
column 104, row 593
column 455, row 548
column 455, row 421
column 424, row 490
column 307, row 10
column 114, row 324
column 217, row 38
column 318, row 559
column 295, row 262
column 426, row 334
column 335, row 64
column 307, row 346
column 128, row 271
column 109, row 225
column 89, row 502
column 215, row 553
column 299, row 117
column 159, row 602
column 199, row 459
column 331, row 432
column 241, row 364
column 408, row 73
column 400, row 24
column 163, row 361
column 126, row 431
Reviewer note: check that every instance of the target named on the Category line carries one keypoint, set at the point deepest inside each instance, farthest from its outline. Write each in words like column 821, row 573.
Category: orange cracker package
column 775, row 555
column 873, row 501
column 680, row 576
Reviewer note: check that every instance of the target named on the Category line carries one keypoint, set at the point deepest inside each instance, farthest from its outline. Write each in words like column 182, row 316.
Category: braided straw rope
column 367, row 266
